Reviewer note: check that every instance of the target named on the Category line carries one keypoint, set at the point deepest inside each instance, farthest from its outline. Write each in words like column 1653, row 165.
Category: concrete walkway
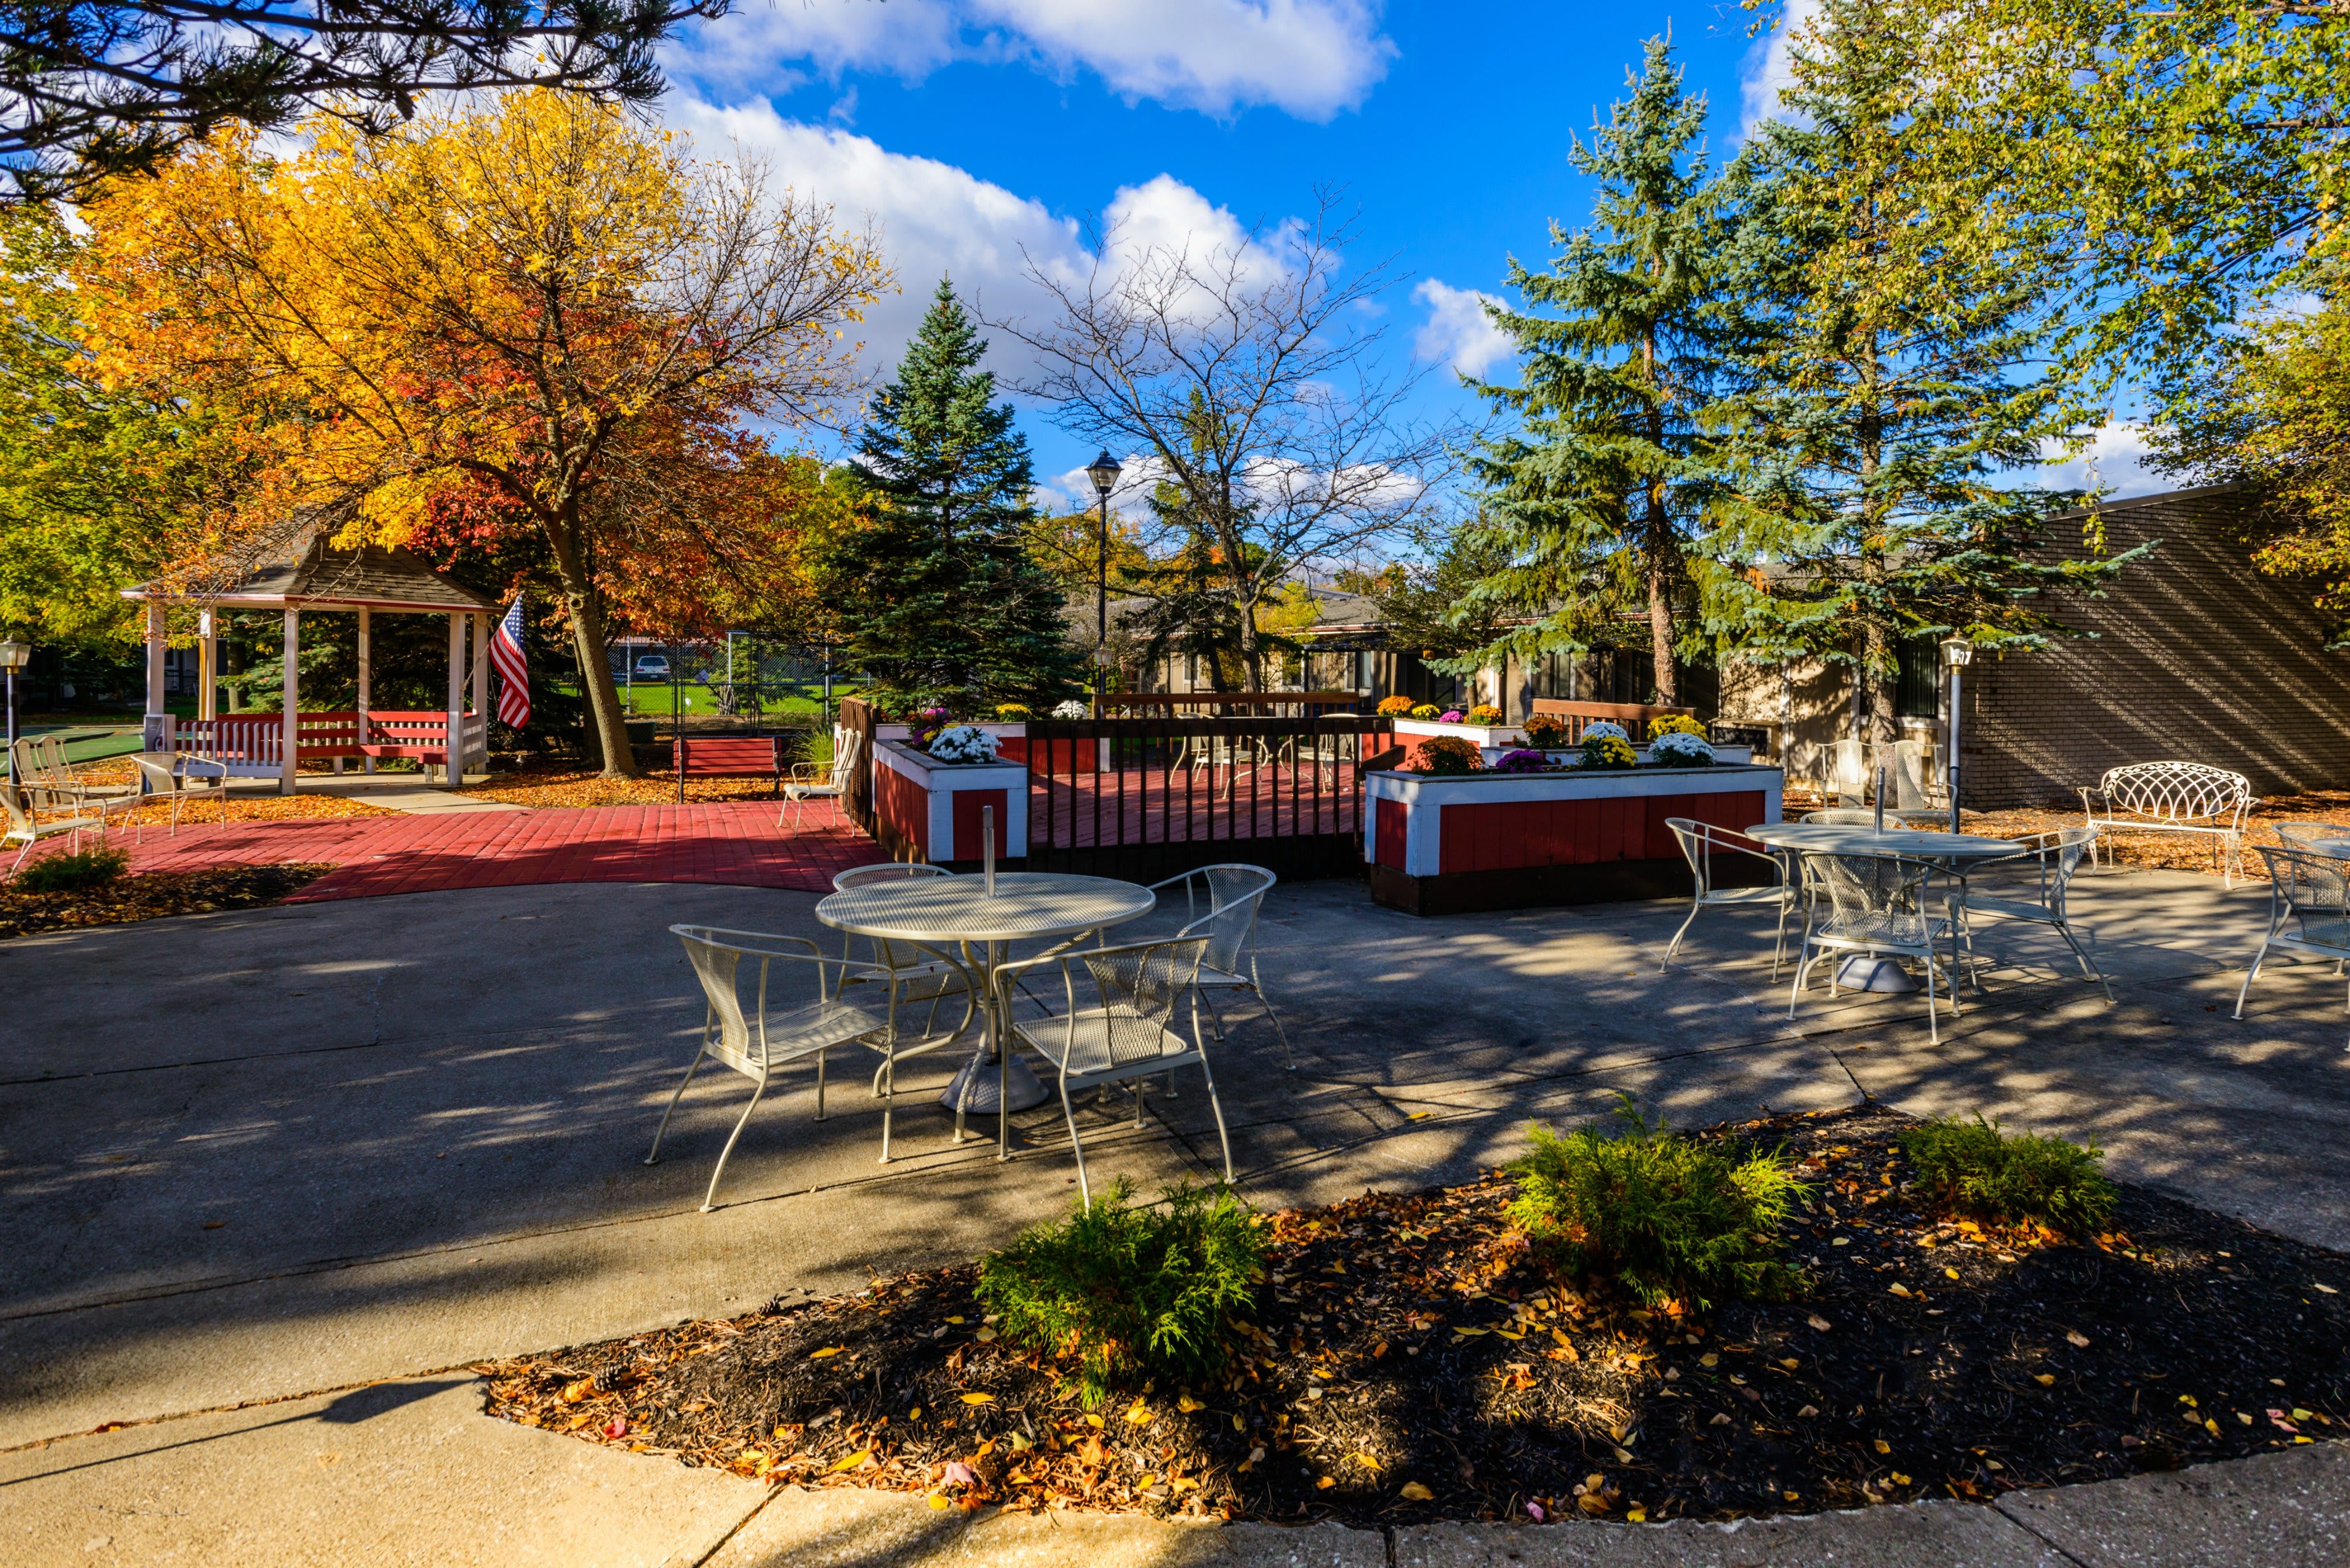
column 271, row 1155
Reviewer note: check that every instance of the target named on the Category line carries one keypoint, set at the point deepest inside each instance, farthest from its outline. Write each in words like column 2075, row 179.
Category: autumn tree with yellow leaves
column 535, row 314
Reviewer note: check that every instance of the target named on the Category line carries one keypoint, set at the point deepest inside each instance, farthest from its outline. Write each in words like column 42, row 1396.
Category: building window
column 1915, row 684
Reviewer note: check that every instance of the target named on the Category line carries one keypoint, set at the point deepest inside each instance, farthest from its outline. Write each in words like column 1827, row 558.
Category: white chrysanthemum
column 1605, row 727
column 1072, row 709
column 963, row 743
column 1680, row 747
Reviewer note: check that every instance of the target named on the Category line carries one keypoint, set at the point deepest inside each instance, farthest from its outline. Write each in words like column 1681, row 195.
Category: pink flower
column 617, row 1427
column 1535, row 1509
column 1450, row 716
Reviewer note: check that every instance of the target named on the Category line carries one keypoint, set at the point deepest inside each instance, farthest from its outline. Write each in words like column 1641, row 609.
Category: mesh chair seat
column 1904, row 927
column 1091, row 1050
column 2009, row 908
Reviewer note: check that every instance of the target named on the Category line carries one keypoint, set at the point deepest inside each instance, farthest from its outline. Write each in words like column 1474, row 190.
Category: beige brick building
column 2195, row 656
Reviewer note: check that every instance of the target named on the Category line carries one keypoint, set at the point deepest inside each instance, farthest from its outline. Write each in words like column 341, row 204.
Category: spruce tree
column 937, row 594
column 1596, row 496
column 1885, row 406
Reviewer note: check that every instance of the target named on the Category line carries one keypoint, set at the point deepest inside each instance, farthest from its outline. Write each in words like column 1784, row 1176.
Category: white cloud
column 1309, row 58
column 934, row 219
column 1458, row 331
column 937, row 219
column 1768, row 67
column 2114, row 460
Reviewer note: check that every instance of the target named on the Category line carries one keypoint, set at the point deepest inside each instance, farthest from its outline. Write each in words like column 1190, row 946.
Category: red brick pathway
column 736, row 844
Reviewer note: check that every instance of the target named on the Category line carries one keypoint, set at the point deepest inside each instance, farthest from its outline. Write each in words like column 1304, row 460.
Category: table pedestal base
column 1862, row 973
column 980, row 1073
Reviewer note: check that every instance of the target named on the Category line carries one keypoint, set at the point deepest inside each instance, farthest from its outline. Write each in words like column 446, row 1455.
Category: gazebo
column 298, row 571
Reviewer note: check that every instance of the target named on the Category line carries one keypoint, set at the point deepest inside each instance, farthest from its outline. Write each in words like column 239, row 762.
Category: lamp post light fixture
column 13, row 656
column 1956, row 653
column 1104, row 470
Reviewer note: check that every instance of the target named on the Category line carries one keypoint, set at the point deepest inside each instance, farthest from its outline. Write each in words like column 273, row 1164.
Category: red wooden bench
column 731, row 757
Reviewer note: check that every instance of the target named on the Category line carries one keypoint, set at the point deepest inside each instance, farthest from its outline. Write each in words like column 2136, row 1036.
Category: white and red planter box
column 933, row 809
column 1467, row 842
column 1012, row 744
column 1496, row 741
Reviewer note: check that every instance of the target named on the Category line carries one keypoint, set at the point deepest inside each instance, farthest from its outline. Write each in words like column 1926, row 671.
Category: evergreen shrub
column 73, row 873
column 2009, row 1179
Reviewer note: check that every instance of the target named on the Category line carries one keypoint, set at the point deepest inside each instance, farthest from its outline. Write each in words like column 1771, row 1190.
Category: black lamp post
column 1104, row 470
column 13, row 656
column 1956, row 652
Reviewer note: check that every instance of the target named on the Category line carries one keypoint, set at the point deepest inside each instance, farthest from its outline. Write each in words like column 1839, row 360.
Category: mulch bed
column 152, row 896
column 1409, row 1361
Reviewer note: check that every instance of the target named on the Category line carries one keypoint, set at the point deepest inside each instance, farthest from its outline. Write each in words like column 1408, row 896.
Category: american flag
column 513, row 672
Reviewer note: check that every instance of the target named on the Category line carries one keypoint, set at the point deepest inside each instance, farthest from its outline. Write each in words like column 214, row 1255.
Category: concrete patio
column 276, row 1155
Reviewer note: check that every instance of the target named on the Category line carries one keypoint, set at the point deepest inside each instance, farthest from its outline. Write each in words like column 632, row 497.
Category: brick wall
column 2197, row 656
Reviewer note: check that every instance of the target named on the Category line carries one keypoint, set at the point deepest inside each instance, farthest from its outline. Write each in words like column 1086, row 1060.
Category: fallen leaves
column 153, row 895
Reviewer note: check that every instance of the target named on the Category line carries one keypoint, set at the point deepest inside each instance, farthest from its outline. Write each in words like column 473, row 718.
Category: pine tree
column 937, row 593
column 1882, row 415
column 1595, row 498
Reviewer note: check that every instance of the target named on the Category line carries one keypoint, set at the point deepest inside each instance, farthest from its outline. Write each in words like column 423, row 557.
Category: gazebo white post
column 207, row 667
column 452, row 763
column 481, row 681
column 158, row 727
column 293, row 692
column 367, row 671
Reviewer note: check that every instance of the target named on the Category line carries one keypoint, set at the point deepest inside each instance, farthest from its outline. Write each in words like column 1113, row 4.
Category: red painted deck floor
column 736, row 844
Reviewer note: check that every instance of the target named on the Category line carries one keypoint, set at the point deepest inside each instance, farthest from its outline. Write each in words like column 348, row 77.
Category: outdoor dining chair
column 1700, row 842
column 167, row 773
column 2311, row 894
column 1125, row 1035
column 1221, row 903
column 819, row 780
column 916, row 975
column 755, row 1040
column 27, row 828
column 1843, row 816
column 2057, row 855
column 1877, row 908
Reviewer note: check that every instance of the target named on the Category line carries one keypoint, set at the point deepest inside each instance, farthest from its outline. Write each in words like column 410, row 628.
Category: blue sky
column 970, row 130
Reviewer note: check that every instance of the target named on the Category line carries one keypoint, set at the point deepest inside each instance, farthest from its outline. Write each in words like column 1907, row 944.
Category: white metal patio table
column 972, row 925
column 1861, row 972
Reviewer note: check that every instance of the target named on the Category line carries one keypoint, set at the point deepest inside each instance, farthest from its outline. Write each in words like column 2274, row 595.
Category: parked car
column 652, row 667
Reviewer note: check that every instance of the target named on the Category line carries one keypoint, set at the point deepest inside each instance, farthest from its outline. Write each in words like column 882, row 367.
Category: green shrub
column 73, row 873
column 1129, row 1292
column 2007, row 1178
column 1668, row 1217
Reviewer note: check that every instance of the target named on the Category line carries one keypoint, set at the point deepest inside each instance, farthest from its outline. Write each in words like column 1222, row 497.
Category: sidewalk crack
column 1999, row 1506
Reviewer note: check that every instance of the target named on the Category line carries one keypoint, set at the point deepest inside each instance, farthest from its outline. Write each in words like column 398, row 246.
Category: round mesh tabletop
column 1835, row 838
column 1025, row 905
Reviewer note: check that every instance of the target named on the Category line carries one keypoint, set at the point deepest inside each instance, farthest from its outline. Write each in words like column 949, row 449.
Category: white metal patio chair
column 53, row 774
column 167, row 773
column 1700, row 842
column 1844, row 766
column 1843, row 816
column 756, row 1042
column 1222, row 903
column 2057, row 855
column 1125, row 1036
column 27, row 828
column 916, row 974
column 819, row 780
column 2309, row 893
column 1877, row 908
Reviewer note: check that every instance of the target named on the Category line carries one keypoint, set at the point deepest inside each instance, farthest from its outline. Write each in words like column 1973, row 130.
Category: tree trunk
column 1660, row 607
column 595, row 664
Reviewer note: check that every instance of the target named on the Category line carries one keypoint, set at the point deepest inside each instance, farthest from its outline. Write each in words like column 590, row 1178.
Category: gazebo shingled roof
column 312, row 575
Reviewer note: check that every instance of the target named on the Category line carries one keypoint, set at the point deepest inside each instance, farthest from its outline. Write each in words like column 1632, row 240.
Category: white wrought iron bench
column 2174, row 797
